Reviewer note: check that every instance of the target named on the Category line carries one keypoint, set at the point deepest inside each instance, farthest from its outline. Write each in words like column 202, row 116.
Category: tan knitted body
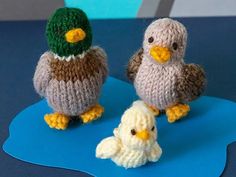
column 71, row 87
column 155, row 84
column 160, row 76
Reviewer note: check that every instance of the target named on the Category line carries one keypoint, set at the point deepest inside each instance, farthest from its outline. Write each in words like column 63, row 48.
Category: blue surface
column 96, row 9
column 211, row 43
column 195, row 146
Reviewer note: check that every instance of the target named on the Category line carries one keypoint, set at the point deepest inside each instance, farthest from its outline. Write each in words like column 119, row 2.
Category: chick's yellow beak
column 143, row 135
column 75, row 35
column 160, row 54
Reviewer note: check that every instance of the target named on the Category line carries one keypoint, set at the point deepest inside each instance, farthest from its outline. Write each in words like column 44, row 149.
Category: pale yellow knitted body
column 134, row 141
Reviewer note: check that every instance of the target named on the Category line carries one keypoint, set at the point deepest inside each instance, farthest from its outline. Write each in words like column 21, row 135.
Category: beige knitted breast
column 155, row 84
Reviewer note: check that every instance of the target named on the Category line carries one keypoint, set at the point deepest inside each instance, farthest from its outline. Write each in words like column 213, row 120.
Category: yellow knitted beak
column 160, row 54
column 143, row 135
column 75, row 35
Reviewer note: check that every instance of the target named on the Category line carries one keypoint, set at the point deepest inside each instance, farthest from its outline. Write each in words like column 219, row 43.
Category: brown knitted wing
column 134, row 64
column 101, row 58
column 191, row 83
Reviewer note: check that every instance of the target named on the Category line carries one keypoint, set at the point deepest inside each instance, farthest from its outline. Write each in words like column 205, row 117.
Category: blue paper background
column 195, row 146
column 96, row 9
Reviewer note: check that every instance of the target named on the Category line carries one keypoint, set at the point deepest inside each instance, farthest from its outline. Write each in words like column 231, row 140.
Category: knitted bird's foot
column 92, row 114
column 176, row 112
column 57, row 121
column 154, row 110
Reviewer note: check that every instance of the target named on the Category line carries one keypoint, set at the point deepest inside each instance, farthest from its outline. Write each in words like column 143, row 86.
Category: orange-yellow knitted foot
column 154, row 110
column 92, row 114
column 57, row 121
column 176, row 112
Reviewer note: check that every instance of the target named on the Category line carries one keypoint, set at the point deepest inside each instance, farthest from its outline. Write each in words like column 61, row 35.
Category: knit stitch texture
column 134, row 141
column 163, row 85
column 71, row 87
column 63, row 20
column 70, row 75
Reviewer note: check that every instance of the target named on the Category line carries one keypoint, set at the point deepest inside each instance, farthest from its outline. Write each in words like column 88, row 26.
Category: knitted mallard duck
column 134, row 141
column 161, row 78
column 70, row 75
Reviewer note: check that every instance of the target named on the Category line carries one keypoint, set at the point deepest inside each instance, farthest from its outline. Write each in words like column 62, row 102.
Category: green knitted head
column 69, row 32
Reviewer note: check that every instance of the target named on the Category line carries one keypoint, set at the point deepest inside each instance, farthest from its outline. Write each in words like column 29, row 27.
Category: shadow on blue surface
column 195, row 146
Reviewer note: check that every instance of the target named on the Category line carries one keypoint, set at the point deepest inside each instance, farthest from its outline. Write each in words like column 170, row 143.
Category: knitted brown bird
column 161, row 78
column 70, row 75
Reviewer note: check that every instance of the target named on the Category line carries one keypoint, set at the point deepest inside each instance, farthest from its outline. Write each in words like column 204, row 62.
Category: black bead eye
column 150, row 40
column 133, row 132
column 175, row 46
column 153, row 128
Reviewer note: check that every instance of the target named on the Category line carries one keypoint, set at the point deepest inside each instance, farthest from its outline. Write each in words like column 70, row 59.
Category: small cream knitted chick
column 134, row 141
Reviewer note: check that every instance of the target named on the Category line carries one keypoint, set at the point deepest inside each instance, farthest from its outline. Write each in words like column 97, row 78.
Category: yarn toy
column 70, row 75
column 160, row 76
column 134, row 141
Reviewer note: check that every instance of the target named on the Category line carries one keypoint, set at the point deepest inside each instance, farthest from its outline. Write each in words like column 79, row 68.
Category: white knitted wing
column 155, row 153
column 108, row 148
